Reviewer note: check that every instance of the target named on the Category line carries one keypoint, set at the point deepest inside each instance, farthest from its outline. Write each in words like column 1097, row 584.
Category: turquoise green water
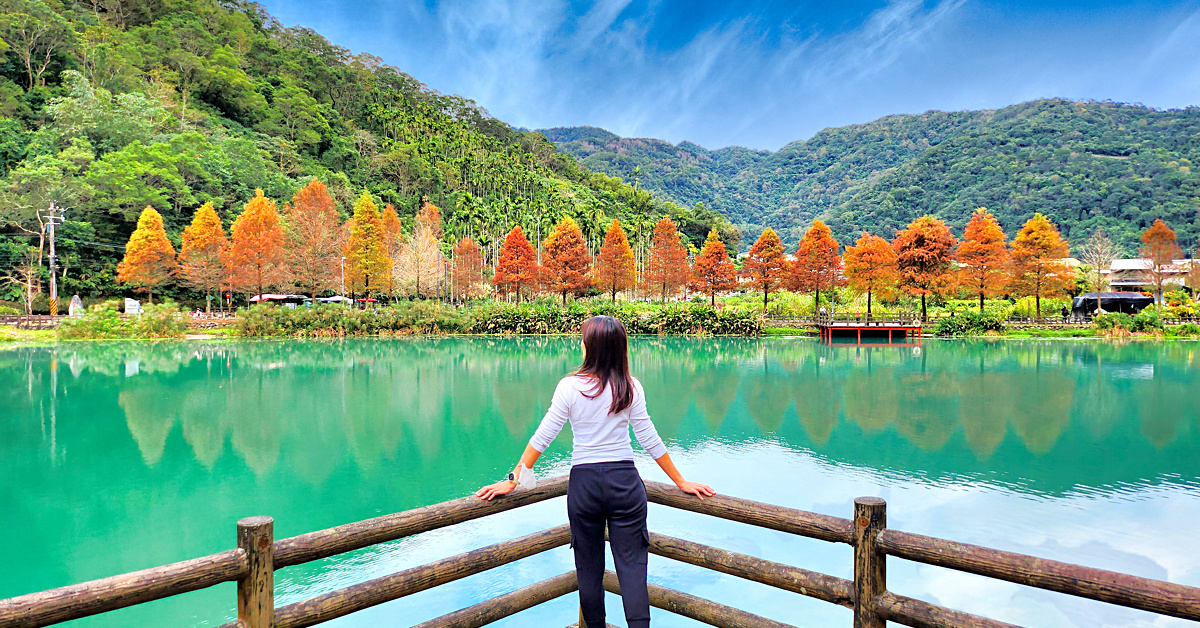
column 116, row 457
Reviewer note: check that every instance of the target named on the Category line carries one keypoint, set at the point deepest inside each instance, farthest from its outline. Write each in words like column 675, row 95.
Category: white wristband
column 525, row 477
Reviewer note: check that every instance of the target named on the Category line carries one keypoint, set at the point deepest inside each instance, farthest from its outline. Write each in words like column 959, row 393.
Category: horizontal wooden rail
column 1156, row 596
column 803, row 523
column 508, row 604
column 109, row 594
column 697, row 608
column 920, row 614
column 387, row 588
column 345, row 538
column 813, row 584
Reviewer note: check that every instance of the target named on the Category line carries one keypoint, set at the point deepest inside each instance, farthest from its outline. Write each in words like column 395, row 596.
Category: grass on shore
column 12, row 334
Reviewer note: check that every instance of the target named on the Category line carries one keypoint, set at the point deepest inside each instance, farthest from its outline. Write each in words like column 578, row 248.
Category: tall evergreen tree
column 368, row 267
column 200, row 257
column 314, row 239
column 924, row 257
column 766, row 264
column 149, row 257
column 983, row 256
column 393, row 231
column 615, row 269
column 565, row 261
column 1160, row 249
column 818, row 265
column 421, row 265
column 517, row 268
column 713, row 272
column 468, row 269
column 871, row 266
column 1039, row 266
column 256, row 259
column 667, row 263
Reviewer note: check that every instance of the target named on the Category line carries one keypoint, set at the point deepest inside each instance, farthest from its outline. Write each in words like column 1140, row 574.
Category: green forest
column 108, row 106
column 1085, row 165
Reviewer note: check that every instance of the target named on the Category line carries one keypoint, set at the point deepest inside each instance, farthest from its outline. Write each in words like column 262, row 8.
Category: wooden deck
column 855, row 325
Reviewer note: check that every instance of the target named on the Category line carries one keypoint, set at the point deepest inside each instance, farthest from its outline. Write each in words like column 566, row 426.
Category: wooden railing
column 253, row 562
column 37, row 321
column 902, row 318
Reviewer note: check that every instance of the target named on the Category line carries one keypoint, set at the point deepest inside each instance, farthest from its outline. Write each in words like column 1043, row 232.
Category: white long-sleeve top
column 598, row 436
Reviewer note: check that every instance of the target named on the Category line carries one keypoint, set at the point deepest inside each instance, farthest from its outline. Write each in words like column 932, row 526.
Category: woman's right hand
column 697, row 489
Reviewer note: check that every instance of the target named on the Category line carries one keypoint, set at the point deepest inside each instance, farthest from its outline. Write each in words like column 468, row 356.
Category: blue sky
column 759, row 73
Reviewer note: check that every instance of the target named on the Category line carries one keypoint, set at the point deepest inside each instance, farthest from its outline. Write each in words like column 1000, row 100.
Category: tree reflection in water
column 312, row 406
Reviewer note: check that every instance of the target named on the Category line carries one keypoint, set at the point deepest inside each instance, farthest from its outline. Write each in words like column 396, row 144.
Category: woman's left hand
column 503, row 487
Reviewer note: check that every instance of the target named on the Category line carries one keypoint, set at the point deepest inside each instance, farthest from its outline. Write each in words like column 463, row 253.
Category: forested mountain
column 1083, row 164
column 108, row 106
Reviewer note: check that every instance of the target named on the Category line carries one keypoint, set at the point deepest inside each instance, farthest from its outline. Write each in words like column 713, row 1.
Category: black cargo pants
column 609, row 493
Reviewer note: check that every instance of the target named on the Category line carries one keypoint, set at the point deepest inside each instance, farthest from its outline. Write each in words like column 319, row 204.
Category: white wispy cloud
column 763, row 74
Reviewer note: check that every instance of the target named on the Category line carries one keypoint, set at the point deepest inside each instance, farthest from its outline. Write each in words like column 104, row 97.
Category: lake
column 121, row 456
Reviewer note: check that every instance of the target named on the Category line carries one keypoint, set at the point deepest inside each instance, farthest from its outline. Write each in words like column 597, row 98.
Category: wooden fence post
column 870, row 575
column 256, row 592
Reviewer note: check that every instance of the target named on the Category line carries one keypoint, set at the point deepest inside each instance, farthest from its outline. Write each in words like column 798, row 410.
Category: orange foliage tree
column 871, row 266
column 984, row 256
column 818, row 265
column 517, row 267
column 393, row 232
column 615, row 269
column 565, row 261
column 467, row 279
column 432, row 216
column 204, row 244
column 667, row 264
column 1038, row 267
column 256, row 258
column 421, row 266
column 766, row 264
column 923, row 257
column 149, row 257
column 314, row 239
column 1160, row 249
column 368, row 266
column 712, row 271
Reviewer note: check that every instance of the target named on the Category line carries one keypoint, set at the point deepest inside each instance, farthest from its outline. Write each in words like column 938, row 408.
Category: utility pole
column 53, row 216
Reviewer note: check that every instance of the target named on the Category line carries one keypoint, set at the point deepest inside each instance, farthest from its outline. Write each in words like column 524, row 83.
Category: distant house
column 1133, row 274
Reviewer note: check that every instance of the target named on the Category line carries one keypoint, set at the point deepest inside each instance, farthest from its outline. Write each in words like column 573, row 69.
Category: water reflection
column 371, row 401
column 987, row 442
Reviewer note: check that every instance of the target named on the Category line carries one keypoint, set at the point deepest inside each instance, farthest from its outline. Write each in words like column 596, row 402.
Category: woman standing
column 602, row 400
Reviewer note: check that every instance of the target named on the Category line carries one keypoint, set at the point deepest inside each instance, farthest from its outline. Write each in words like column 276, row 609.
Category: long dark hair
column 606, row 358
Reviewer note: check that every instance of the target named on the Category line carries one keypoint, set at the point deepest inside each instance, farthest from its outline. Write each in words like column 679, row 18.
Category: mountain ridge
column 1086, row 164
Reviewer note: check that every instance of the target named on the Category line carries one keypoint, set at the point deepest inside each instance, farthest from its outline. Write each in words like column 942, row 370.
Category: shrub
column 101, row 321
column 1176, row 298
column 1187, row 330
column 104, row 321
column 8, row 310
column 1148, row 320
column 162, row 320
column 969, row 324
column 1113, row 322
column 429, row 317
